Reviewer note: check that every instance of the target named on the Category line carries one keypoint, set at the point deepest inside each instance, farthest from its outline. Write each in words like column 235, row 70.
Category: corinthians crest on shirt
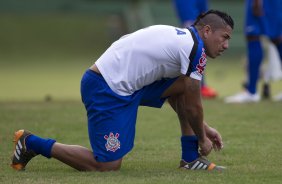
column 112, row 143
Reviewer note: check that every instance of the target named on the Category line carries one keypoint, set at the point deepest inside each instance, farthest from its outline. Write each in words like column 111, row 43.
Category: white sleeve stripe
column 195, row 76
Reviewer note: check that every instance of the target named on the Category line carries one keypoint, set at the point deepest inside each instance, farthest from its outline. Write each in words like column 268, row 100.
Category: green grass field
column 252, row 136
column 251, row 132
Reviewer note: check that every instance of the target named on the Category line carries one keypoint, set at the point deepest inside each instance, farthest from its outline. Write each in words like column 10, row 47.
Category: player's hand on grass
column 215, row 138
column 205, row 146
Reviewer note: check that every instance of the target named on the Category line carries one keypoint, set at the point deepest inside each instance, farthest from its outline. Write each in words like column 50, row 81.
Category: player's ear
column 207, row 30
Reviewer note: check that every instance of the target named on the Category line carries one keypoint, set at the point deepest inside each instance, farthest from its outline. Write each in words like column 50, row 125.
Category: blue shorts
column 112, row 118
column 269, row 24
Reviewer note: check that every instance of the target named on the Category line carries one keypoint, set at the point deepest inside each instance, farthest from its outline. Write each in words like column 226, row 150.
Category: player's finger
column 218, row 143
column 217, row 146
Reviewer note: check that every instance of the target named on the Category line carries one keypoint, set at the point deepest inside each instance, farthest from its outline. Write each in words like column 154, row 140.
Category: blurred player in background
column 263, row 17
column 187, row 11
column 272, row 72
column 143, row 68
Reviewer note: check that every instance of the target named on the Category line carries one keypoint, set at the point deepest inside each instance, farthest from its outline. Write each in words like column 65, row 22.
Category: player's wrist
column 202, row 138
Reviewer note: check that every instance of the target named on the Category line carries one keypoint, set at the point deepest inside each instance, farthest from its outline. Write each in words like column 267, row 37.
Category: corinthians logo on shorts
column 113, row 143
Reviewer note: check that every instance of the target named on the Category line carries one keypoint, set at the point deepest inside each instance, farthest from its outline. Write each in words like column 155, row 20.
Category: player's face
column 217, row 41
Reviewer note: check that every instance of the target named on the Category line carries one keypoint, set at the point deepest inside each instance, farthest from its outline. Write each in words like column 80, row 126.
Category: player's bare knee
column 107, row 169
column 109, row 166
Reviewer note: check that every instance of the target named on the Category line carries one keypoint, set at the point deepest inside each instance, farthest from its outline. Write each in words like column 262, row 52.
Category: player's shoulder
column 167, row 32
column 167, row 28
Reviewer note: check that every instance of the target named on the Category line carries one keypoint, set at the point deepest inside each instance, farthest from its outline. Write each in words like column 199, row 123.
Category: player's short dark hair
column 207, row 18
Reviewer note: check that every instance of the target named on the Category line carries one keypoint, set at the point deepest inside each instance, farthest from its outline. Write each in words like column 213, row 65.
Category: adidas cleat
column 21, row 156
column 200, row 163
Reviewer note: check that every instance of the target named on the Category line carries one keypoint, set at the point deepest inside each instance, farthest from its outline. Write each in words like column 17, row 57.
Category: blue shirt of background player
column 188, row 10
column 269, row 23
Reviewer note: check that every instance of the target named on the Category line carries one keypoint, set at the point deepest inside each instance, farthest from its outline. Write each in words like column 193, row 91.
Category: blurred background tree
column 45, row 46
column 85, row 26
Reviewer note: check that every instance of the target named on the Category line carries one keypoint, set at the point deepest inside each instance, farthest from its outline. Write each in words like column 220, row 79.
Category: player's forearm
column 189, row 109
column 195, row 118
column 193, row 109
column 192, row 115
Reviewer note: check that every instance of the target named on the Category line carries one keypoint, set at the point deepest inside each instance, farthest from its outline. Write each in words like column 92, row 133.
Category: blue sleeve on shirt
column 197, row 56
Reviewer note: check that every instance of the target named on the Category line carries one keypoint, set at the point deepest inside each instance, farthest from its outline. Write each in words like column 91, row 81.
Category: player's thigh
column 111, row 118
column 112, row 132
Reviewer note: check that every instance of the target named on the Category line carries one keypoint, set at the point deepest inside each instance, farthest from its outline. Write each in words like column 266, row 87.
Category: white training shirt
column 150, row 54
